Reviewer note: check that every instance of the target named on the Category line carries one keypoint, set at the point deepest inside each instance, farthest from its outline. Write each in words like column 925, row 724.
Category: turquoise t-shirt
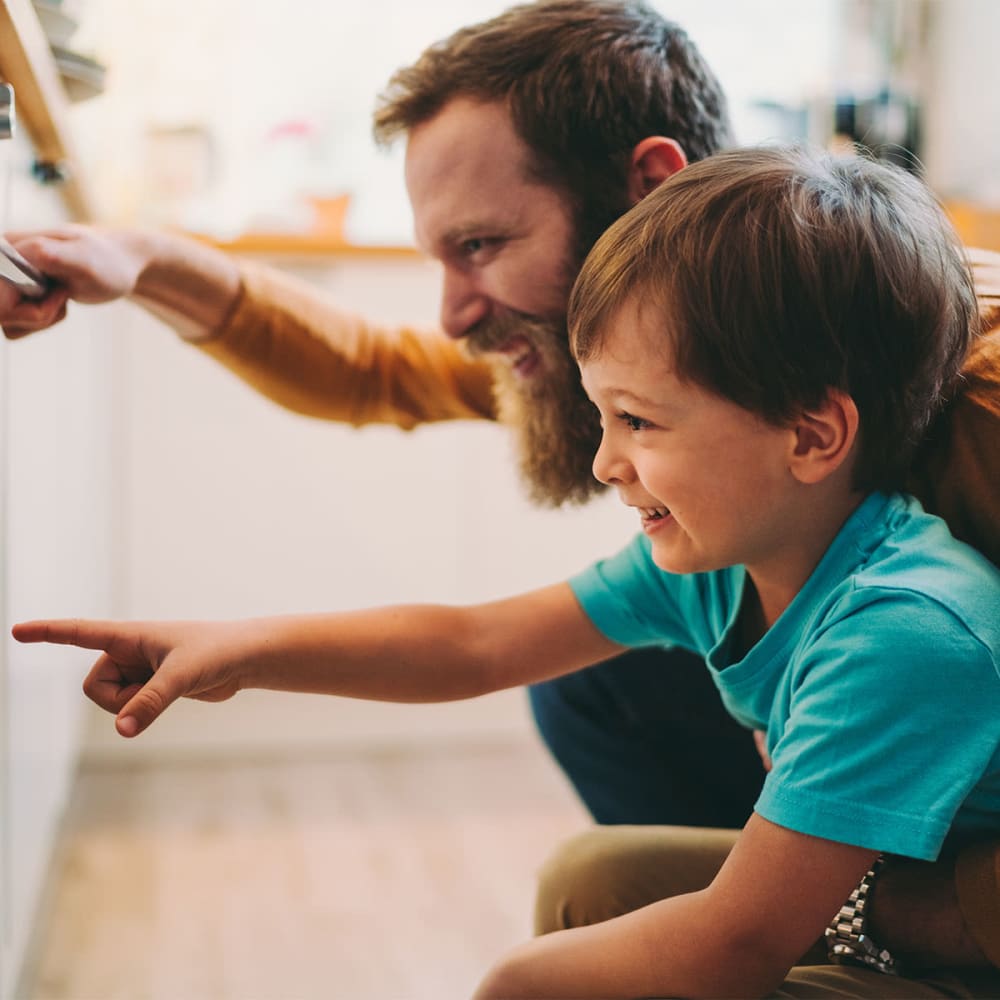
column 878, row 687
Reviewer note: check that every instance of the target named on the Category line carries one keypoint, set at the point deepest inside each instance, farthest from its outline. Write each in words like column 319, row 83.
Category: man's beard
column 557, row 429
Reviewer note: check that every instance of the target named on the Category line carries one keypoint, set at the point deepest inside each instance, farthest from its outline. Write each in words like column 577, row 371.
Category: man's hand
column 86, row 264
column 914, row 912
column 145, row 667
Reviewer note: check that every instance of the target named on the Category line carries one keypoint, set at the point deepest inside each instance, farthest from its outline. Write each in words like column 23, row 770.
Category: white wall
column 963, row 110
column 235, row 507
column 239, row 67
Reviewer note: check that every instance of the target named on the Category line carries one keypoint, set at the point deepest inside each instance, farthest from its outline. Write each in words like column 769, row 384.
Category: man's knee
column 576, row 885
column 610, row 870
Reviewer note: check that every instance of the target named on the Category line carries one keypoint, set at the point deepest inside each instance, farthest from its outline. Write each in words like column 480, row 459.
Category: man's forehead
column 464, row 168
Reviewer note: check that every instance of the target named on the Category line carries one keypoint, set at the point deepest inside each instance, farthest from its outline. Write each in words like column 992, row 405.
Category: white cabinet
column 56, row 557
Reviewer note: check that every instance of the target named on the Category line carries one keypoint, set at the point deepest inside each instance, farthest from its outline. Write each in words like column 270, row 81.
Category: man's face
column 507, row 245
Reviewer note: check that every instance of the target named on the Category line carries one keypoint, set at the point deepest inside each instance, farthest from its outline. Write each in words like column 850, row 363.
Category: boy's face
column 709, row 480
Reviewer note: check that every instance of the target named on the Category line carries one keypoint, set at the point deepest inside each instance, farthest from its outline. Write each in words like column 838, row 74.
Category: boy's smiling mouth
column 652, row 516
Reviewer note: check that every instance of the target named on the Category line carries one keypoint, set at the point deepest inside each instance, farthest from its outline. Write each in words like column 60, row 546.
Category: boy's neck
column 775, row 585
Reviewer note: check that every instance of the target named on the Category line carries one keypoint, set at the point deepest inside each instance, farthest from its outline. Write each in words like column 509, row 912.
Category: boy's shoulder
column 913, row 553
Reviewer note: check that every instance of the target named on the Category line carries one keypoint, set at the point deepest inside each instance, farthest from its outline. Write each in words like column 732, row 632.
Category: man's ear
column 653, row 161
column 823, row 438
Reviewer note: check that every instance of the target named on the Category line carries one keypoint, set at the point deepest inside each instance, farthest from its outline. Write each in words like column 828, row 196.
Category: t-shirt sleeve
column 885, row 735
column 635, row 603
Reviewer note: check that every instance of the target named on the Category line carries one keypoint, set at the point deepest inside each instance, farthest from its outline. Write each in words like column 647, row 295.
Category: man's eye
column 477, row 245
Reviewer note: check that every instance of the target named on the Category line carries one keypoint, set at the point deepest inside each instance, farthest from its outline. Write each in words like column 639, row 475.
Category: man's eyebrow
column 456, row 235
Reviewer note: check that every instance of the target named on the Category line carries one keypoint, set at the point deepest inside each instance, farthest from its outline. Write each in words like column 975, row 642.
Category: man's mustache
column 494, row 332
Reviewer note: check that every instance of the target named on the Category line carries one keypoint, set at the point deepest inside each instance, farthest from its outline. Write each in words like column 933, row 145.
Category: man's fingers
column 29, row 315
column 53, row 254
column 83, row 632
column 68, row 231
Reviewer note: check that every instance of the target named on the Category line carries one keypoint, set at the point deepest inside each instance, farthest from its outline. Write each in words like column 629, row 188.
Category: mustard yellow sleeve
column 285, row 340
column 956, row 474
column 977, row 882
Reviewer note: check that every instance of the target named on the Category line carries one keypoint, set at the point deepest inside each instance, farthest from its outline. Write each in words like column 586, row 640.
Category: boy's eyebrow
column 634, row 397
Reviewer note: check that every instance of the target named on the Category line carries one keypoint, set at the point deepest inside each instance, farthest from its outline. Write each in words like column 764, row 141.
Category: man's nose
column 462, row 304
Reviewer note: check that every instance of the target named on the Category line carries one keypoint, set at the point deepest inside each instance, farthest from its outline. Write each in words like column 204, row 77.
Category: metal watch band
column 847, row 938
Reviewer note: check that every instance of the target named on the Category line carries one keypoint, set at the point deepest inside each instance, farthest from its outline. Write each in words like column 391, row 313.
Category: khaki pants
column 611, row 870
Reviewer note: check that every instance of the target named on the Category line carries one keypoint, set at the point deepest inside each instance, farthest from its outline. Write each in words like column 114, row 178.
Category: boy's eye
column 634, row 423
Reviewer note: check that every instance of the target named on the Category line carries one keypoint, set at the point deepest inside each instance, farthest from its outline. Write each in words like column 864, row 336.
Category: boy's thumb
column 143, row 709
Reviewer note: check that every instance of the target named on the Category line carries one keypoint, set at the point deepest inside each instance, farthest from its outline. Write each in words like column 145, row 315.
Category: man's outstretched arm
column 191, row 286
column 279, row 334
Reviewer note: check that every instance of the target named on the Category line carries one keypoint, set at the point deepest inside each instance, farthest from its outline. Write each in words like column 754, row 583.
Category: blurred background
column 232, row 116
column 141, row 480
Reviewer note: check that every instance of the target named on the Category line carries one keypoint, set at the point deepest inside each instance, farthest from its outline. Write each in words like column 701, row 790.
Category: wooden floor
column 395, row 876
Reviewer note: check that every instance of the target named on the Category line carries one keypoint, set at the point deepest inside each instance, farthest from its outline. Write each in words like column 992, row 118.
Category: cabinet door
column 7, row 158
column 5, row 913
column 56, row 556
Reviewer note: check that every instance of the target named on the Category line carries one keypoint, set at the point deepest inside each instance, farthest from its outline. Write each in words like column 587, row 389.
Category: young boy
column 766, row 338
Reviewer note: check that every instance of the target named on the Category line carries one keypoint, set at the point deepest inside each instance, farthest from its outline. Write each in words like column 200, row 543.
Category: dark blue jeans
column 644, row 739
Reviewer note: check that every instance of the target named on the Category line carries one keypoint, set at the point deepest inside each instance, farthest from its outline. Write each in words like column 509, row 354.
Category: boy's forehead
column 629, row 357
column 639, row 326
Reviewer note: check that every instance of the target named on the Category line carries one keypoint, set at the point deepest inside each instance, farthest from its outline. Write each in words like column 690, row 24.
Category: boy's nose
column 610, row 467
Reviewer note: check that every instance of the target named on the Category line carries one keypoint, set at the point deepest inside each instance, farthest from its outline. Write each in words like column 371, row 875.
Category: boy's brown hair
column 783, row 272
column 584, row 80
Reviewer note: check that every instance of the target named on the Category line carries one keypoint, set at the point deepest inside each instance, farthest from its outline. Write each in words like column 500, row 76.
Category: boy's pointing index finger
column 82, row 632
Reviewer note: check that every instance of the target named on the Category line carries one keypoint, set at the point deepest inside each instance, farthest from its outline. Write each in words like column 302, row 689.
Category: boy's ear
column 653, row 161
column 824, row 438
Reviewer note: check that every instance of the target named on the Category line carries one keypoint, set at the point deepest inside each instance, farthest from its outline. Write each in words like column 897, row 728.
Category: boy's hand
column 145, row 667
column 760, row 742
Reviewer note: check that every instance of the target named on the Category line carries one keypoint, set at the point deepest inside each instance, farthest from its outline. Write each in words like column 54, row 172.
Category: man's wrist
column 915, row 914
column 190, row 284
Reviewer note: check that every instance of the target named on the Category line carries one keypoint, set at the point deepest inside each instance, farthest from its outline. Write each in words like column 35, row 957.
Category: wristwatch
column 847, row 938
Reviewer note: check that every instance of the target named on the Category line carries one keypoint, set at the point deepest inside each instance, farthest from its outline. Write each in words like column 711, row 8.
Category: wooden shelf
column 26, row 63
column 977, row 225
column 305, row 246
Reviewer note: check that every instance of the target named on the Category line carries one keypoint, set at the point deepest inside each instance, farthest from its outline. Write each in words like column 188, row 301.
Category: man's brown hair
column 584, row 80
column 780, row 273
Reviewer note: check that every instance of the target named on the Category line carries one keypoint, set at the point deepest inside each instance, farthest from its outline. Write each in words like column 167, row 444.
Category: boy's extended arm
column 739, row 937
column 280, row 334
column 417, row 653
